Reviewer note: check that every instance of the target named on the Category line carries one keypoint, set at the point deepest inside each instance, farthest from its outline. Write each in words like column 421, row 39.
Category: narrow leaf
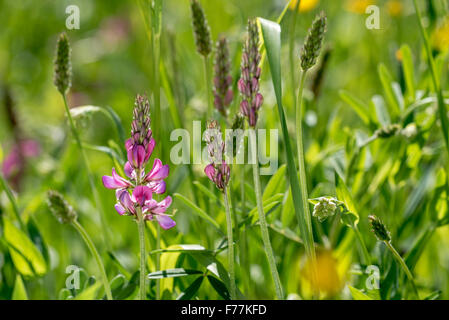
column 197, row 210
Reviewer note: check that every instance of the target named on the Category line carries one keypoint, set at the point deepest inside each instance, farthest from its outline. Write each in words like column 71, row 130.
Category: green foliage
column 375, row 133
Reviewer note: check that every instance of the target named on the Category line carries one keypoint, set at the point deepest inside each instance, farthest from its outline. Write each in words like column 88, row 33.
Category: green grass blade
column 197, row 210
column 172, row 273
column 386, row 79
column 357, row 105
column 409, row 73
column 442, row 110
column 272, row 39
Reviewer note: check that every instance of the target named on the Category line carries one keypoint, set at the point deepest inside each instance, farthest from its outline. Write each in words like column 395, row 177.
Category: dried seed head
column 201, row 29
column 314, row 40
column 214, row 140
column 379, row 229
column 388, row 131
column 325, row 208
column 223, row 94
column 60, row 207
column 63, row 68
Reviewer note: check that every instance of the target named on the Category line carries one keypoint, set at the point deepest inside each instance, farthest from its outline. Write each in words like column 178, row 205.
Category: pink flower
column 158, row 172
column 15, row 159
column 218, row 174
column 154, row 209
column 137, row 192
column 115, row 181
column 125, row 204
column 141, row 195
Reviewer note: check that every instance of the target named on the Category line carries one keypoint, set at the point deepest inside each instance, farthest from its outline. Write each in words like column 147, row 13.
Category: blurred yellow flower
column 305, row 5
column 398, row 55
column 440, row 37
column 358, row 6
column 329, row 281
column 394, row 8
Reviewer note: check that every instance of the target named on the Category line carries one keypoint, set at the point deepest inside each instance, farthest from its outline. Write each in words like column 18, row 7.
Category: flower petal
column 120, row 209
column 210, row 171
column 157, row 187
column 158, row 172
column 150, row 149
column 165, row 221
column 142, row 194
column 129, row 170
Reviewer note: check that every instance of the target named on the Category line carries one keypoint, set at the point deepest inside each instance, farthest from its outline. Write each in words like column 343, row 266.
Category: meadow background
column 401, row 179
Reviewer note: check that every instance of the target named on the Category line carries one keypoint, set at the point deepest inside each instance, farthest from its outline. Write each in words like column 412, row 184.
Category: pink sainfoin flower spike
column 218, row 171
column 248, row 84
column 138, row 189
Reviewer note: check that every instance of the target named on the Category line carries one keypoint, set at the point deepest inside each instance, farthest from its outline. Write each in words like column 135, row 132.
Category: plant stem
column 243, row 248
column 291, row 53
column 208, row 85
column 230, row 244
column 310, row 249
column 141, row 228
column 158, row 261
column 366, row 258
column 89, row 173
column 435, row 80
column 262, row 219
column 403, row 266
column 12, row 199
column 156, row 90
column 97, row 257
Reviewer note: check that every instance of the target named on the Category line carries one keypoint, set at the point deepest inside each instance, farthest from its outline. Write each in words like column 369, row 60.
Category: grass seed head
column 314, row 40
column 60, row 208
column 201, row 29
column 379, row 229
column 223, row 94
column 63, row 67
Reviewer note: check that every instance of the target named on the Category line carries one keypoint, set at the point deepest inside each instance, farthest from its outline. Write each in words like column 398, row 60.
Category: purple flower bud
column 244, row 107
column 228, row 97
column 250, row 73
column 252, row 117
column 254, row 85
column 241, row 86
column 258, row 100
column 245, row 74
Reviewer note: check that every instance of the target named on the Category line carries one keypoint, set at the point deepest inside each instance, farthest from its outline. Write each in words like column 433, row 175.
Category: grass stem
column 13, row 201
column 292, row 52
column 230, row 244
column 365, row 256
column 262, row 219
column 97, row 257
column 89, row 173
column 208, row 86
column 310, row 250
column 403, row 265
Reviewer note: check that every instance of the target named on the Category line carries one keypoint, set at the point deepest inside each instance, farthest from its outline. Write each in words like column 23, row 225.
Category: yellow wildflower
column 328, row 281
column 398, row 55
column 394, row 8
column 305, row 5
column 358, row 6
column 440, row 37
